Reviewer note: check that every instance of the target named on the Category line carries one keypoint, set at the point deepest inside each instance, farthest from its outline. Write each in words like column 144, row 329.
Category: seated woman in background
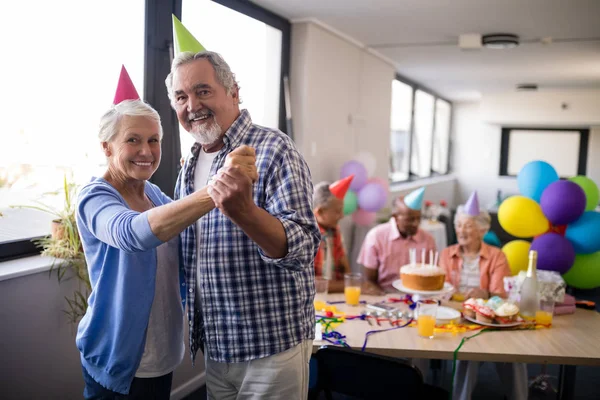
column 131, row 336
column 474, row 268
column 477, row 270
column 331, row 261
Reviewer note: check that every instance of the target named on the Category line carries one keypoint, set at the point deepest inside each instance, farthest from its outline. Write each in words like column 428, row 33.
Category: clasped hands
column 231, row 187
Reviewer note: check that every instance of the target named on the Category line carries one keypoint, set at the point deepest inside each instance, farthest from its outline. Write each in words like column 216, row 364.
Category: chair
column 450, row 233
column 370, row 376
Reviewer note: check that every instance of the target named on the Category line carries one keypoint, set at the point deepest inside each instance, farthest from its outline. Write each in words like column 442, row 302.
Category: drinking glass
column 352, row 285
column 426, row 315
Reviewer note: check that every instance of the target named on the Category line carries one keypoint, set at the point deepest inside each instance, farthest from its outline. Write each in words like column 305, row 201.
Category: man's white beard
column 206, row 135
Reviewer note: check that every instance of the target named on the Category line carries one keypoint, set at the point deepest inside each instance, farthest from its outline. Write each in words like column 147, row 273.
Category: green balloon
column 585, row 272
column 592, row 194
column 350, row 202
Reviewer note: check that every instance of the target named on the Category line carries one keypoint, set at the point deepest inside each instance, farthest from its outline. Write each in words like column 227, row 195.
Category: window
column 260, row 79
column 565, row 149
column 420, row 132
column 441, row 137
column 420, row 156
column 402, row 97
column 63, row 72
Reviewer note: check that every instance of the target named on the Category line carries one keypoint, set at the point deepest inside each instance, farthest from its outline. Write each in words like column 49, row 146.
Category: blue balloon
column 534, row 177
column 492, row 239
column 584, row 233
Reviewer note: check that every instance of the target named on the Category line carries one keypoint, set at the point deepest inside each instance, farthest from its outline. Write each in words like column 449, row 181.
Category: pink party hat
column 472, row 205
column 125, row 88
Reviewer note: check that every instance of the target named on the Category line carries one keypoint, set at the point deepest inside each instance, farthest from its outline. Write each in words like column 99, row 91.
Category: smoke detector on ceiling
column 500, row 41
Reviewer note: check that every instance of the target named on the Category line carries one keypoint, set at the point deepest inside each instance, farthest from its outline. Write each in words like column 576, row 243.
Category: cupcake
column 494, row 302
column 506, row 313
column 469, row 308
column 484, row 314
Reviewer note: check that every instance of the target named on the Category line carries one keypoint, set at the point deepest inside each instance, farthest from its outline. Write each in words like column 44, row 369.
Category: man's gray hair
column 111, row 120
column 321, row 194
column 224, row 75
column 483, row 220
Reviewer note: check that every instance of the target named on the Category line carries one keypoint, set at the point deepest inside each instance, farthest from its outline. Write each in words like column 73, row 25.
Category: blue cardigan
column 120, row 250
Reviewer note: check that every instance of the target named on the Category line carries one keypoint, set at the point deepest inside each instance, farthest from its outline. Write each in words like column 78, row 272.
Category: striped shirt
column 252, row 306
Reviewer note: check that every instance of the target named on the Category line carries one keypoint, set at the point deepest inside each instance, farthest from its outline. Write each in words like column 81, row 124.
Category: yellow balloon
column 517, row 254
column 522, row 217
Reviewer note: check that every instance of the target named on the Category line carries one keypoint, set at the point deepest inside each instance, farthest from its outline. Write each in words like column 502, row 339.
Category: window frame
column 584, row 135
column 158, row 47
column 416, row 86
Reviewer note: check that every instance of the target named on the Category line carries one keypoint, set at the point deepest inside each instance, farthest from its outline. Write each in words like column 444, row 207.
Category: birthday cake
column 422, row 277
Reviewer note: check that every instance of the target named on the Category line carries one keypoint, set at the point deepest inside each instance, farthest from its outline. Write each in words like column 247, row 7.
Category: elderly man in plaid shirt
column 248, row 263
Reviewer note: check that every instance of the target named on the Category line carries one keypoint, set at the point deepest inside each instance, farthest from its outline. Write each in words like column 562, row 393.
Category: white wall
column 38, row 356
column 341, row 105
column 341, row 99
column 543, row 108
column 476, row 140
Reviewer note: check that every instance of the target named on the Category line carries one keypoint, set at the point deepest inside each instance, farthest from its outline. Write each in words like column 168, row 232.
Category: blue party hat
column 414, row 200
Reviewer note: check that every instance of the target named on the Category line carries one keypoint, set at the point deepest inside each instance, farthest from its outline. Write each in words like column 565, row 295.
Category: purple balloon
column 563, row 202
column 359, row 171
column 555, row 253
column 372, row 197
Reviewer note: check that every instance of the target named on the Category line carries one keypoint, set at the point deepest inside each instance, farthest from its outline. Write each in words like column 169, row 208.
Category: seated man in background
column 386, row 246
column 331, row 261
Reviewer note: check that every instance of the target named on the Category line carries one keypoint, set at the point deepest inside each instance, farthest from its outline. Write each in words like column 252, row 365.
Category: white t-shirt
column 203, row 165
column 164, row 349
column 470, row 277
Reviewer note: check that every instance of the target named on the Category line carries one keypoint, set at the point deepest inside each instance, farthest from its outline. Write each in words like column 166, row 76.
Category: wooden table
column 572, row 340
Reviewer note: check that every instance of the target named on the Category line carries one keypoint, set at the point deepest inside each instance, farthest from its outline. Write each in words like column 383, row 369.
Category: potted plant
column 64, row 245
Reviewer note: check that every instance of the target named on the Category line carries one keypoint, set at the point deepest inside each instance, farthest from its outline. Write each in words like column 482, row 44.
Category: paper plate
column 516, row 323
column 397, row 284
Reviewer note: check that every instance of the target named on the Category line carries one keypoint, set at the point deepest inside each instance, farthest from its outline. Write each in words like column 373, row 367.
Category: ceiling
column 421, row 38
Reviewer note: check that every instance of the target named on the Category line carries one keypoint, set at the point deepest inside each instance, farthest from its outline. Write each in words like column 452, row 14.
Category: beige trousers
column 280, row 376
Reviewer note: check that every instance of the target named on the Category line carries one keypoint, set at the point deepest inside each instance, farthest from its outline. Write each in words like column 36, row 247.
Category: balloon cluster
column 366, row 195
column 559, row 215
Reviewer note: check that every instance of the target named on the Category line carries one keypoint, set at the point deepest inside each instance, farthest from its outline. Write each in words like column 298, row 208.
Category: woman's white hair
column 111, row 120
column 222, row 71
column 483, row 220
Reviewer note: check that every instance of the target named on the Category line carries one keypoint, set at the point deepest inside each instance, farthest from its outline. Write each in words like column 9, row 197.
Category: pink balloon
column 362, row 217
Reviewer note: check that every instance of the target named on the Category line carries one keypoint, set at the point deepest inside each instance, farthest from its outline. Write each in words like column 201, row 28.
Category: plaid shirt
column 252, row 306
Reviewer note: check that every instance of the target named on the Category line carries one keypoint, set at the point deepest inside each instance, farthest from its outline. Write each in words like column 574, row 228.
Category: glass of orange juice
column 426, row 314
column 321, row 290
column 352, row 285
column 544, row 313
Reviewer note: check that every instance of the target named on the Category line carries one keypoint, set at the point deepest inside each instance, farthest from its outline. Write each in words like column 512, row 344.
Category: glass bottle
column 529, row 288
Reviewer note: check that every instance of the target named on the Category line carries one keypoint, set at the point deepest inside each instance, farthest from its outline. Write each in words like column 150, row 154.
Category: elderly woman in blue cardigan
column 131, row 337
